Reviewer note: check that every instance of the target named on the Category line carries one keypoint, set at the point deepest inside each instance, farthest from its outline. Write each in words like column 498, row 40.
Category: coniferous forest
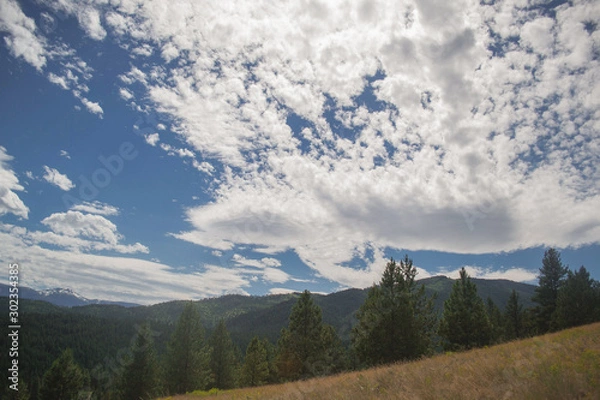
column 113, row 352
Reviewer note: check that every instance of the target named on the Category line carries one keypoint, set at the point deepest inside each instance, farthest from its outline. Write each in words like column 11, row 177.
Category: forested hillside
column 242, row 340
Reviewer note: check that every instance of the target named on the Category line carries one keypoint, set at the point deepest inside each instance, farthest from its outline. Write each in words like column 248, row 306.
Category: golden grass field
column 563, row 365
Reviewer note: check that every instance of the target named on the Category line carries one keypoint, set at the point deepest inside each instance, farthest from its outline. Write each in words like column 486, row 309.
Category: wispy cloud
column 57, row 179
column 96, row 207
column 9, row 184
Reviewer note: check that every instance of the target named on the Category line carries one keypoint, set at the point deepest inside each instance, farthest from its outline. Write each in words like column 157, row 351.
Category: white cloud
column 59, row 180
column 477, row 142
column 9, row 183
column 152, row 138
column 111, row 278
column 92, row 107
column 77, row 224
column 516, row 274
column 22, row 39
column 65, row 154
column 96, row 207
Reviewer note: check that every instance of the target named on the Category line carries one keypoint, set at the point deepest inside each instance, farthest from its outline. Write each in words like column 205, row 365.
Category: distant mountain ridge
column 498, row 290
column 62, row 297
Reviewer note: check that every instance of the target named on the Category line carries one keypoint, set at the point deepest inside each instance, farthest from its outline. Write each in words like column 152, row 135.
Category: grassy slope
column 563, row 365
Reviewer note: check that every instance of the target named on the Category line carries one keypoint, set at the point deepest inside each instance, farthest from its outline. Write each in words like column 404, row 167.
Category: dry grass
column 564, row 365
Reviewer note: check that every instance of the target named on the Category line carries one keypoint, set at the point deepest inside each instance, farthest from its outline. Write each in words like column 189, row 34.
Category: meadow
column 562, row 365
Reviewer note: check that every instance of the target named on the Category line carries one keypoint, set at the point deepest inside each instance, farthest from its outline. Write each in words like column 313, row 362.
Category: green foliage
column 223, row 363
column 578, row 301
column 497, row 322
column 397, row 321
column 302, row 349
column 141, row 378
column 465, row 323
column 188, row 356
column 514, row 317
column 21, row 394
column 64, row 380
column 255, row 371
column 551, row 279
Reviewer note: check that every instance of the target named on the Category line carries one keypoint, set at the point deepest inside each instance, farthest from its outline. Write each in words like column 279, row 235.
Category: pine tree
column 255, row 371
column 141, row 378
column 21, row 394
column 464, row 323
column 514, row 316
column 577, row 301
column 188, row 356
column 223, row 363
column 64, row 380
column 497, row 326
column 551, row 279
column 397, row 321
column 301, row 347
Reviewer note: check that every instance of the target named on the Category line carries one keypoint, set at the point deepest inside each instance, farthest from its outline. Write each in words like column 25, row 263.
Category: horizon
column 150, row 152
column 50, row 291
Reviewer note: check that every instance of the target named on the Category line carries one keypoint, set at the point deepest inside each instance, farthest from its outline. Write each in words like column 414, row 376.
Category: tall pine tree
column 141, row 375
column 397, row 321
column 464, row 323
column 513, row 316
column 223, row 363
column 64, row 380
column 577, row 302
column 551, row 278
column 188, row 355
column 255, row 371
column 302, row 349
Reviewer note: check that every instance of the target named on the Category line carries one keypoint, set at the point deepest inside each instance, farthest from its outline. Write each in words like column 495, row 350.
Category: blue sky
column 152, row 152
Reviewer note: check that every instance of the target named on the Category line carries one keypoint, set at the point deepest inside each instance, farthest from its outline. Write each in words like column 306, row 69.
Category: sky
column 153, row 151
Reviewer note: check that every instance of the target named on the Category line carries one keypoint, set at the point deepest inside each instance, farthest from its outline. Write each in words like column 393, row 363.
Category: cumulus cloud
column 467, row 131
column 338, row 131
column 57, row 179
column 92, row 107
column 9, row 183
column 22, row 40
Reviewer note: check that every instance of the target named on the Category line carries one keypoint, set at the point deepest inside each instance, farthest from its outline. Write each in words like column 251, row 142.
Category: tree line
column 397, row 322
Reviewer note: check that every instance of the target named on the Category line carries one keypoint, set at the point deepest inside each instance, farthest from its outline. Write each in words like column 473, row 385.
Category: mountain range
column 99, row 331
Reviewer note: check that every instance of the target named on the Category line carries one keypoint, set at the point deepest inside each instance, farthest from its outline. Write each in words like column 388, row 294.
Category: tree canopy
column 397, row 321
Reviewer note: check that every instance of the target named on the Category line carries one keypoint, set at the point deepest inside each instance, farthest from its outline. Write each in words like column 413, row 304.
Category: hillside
column 98, row 331
column 563, row 365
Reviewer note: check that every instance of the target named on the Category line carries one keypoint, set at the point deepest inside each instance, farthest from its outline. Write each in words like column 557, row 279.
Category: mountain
column 59, row 296
column 101, row 332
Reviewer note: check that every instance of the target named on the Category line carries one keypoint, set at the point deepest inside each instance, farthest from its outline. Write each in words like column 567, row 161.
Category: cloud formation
column 340, row 130
column 62, row 181
column 9, row 183
column 345, row 129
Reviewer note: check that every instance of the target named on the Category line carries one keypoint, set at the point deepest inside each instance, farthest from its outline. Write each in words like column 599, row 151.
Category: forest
column 113, row 352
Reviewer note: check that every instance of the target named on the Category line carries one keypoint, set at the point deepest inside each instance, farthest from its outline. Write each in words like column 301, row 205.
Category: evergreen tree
column 577, row 301
column 301, row 347
column 514, row 316
column 464, row 323
column 551, row 279
column 255, row 371
column 497, row 326
column 397, row 321
column 64, row 380
column 334, row 359
column 141, row 378
column 222, row 361
column 21, row 394
column 188, row 356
